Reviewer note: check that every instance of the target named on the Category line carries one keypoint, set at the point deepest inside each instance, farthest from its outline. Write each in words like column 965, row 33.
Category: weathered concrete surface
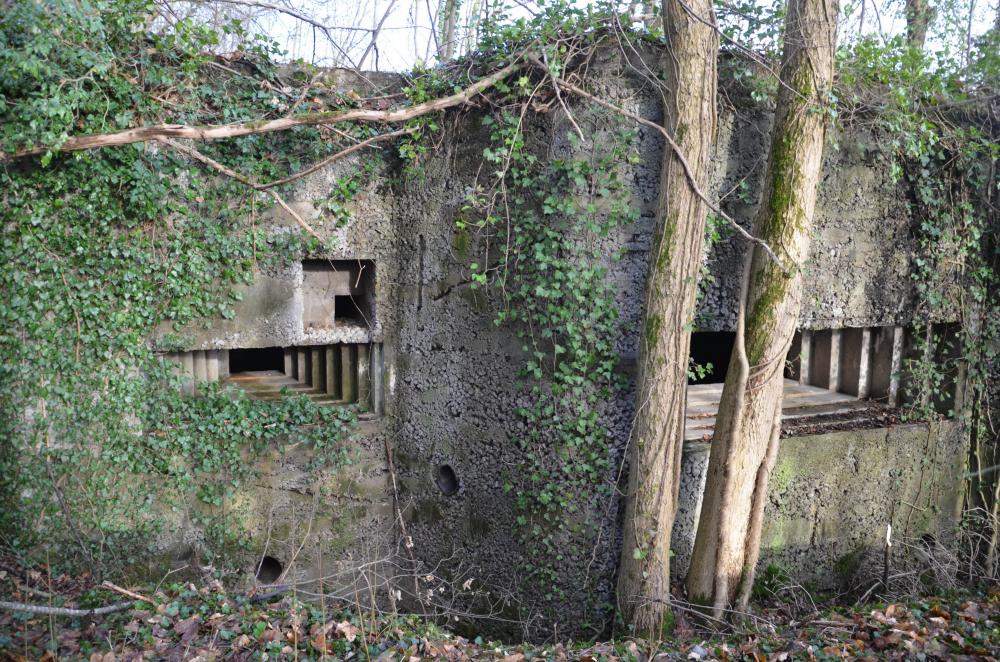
column 832, row 496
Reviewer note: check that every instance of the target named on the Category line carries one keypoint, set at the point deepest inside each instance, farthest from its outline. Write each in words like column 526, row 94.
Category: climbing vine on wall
column 932, row 111
column 546, row 226
column 103, row 251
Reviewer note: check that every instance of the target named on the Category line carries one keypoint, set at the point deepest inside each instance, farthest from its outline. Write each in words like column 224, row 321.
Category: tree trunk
column 744, row 444
column 919, row 15
column 690, row 116
column 448, row 18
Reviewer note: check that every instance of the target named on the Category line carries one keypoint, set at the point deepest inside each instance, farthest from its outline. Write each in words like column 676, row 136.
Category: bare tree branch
column 375, row 33
column 288, row 11
column 64, row 611
column 216, row 132
column 335, row 157
column 229, row 172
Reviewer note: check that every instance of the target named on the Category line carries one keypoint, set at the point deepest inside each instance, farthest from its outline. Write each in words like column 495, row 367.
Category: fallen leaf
column 347, row 631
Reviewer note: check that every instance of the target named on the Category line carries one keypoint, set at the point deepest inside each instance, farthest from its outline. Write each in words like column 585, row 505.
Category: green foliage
column 102, row 252
column 945, row 159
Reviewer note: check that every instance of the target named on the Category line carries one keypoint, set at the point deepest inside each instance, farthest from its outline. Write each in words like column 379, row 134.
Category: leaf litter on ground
column 188, row 622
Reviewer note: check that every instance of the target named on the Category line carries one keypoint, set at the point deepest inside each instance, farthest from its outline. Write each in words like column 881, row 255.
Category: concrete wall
column 452, row 388
column 832, row 496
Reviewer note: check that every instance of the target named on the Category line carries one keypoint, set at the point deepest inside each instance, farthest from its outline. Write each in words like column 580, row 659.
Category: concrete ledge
column 832, row 496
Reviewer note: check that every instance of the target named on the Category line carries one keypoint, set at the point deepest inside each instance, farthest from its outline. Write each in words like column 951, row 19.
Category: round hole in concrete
column 269, row 570
column 446, row 480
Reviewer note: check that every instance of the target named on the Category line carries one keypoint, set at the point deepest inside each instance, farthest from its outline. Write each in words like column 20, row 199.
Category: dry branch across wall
column 218, row 132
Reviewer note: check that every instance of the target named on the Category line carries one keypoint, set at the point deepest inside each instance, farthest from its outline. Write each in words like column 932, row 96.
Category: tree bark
column 690, row 116
column 745, row 439
column 919, row 15
column 448, row 18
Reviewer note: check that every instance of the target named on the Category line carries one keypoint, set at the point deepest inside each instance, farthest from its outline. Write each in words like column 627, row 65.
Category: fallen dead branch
column 216, row 132
column 65, row 611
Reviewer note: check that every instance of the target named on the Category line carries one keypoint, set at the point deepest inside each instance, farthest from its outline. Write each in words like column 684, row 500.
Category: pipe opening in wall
column 269, row 570
column 709, row 354
column 254, row 360
column 446, row 480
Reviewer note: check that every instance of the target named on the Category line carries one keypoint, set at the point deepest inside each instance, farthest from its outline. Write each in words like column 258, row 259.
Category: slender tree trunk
column 746, row 432
column 919, row 15
column 690, row 115
column 448, row 18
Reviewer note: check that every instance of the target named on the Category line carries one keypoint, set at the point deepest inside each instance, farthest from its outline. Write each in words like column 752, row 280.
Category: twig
column 333, row 157
column 65, row 611
column 229, row 172
column 127, row 593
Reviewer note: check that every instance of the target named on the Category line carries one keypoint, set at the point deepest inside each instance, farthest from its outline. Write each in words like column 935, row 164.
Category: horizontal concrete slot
column 329, row 374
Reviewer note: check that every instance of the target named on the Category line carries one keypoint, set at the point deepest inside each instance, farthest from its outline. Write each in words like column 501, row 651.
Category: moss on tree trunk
column 744, row 445
column 689, row 101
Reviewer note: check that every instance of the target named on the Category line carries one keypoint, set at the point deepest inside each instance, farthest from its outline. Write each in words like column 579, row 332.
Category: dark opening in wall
column 252, row 360
column 346, row 309
column 338, row 292
column 446, row 480
column 710, row 348
column 269, row 570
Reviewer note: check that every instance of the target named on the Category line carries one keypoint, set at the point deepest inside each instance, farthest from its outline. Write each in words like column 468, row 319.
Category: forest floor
column 187, row 622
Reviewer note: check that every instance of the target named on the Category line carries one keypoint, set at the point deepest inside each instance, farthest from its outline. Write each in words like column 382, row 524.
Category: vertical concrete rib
column 836, row 337
column 897, row 365
column 212, row 365
column 865, row 367
column 928, row 358
column 376, row 378
column 187, row 369
column 223, row 363
column 805, row 357
column 961, row 379
column 289, row 356
column 200, row 366
column 317, row 359
column 302, row 365
column 348, row 373
column 364, row 386
column 333, row 370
